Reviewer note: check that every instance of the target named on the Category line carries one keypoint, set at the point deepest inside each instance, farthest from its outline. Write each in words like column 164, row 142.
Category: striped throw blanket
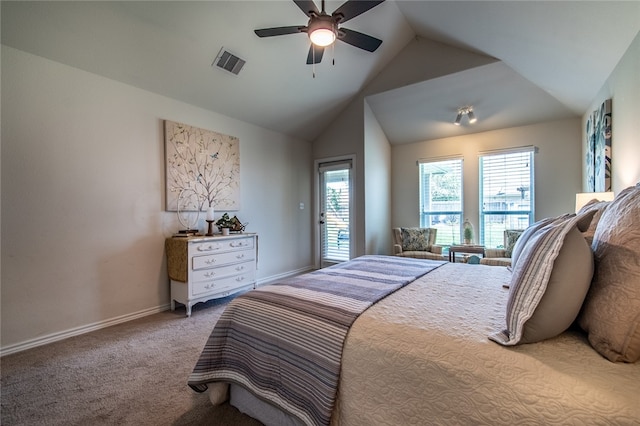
column 284, row 341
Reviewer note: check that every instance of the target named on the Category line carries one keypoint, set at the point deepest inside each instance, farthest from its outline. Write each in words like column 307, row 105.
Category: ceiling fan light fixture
column 322, row 30
column 458, row 119
column 322, row 37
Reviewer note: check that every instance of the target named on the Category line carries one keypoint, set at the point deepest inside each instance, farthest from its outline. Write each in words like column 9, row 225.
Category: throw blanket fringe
column 284, row 341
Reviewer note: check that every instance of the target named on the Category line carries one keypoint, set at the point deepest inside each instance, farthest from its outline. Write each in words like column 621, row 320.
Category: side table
column 465, row 248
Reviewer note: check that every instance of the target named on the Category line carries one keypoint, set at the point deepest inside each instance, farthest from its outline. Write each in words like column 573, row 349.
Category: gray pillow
column 599, row 207
column 521, row 242
column 415, row 239
column 511, row 235
column 548, row 284
column 611, row 312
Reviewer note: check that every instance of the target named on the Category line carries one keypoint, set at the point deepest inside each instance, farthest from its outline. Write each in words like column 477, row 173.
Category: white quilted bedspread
column 422, row 356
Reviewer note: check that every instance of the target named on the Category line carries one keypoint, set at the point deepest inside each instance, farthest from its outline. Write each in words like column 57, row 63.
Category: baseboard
column 273, row 278
column 54, row 337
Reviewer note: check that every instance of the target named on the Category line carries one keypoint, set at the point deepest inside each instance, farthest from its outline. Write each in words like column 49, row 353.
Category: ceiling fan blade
column 360, row 40
column 307, row 6
column 353, row 8
column 315, row 54
column 276, row 31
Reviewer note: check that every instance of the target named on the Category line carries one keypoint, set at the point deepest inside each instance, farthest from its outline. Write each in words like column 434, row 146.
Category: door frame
column 317, row 252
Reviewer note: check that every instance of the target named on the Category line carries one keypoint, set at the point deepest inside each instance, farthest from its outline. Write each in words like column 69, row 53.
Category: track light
column 472, row 117
column 468, row 111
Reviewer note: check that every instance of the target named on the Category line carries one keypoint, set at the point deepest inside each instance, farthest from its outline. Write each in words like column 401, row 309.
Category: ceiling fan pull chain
column 313, row 65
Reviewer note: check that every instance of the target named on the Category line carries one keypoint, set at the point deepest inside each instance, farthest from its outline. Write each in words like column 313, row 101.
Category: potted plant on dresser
column 224, row 224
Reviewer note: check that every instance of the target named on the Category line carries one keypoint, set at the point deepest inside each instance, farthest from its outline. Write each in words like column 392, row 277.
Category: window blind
column 441, row 197
column 506, row 193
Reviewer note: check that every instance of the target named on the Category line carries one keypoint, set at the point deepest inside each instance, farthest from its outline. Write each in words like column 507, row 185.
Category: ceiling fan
column 323, row 29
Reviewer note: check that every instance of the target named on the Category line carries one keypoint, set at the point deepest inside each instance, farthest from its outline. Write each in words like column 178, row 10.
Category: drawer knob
column 210, row 261
column 240, row 279
column 210, row 274
column 240, row 268
column 240, row 256
column 209, row 247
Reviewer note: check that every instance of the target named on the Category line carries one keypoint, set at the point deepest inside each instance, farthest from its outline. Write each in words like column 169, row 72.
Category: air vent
column 228, row 61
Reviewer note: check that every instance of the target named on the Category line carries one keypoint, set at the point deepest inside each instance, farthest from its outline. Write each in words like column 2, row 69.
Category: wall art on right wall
column 602, row 147
column 589, row 162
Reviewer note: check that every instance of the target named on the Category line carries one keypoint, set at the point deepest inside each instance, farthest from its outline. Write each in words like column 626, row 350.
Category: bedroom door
column 334, row 221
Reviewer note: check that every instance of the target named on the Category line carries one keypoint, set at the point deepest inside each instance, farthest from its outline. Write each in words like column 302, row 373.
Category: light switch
column 301, row 206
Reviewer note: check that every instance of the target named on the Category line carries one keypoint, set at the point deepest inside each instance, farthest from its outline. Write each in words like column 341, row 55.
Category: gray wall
column 623, row 87
column 377, row 179
column 83, row 220
column 82, row 167
column 558, row 168
column 354, row 132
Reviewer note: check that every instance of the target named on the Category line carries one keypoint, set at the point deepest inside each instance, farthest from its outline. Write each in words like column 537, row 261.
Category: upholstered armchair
column 416, row 242
column 502, row 256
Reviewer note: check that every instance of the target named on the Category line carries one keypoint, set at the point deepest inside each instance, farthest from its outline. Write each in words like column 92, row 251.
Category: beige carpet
column 131, row 373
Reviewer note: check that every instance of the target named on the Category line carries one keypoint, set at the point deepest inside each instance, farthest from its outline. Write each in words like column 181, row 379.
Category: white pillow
column 549, row 282
column 522, row 240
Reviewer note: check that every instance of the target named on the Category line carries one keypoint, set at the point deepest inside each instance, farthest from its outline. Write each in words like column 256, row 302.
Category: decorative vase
column 225, row 231
column 467, row 231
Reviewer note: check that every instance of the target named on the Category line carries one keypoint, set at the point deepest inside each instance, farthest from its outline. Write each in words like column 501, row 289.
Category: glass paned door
column 335, row 206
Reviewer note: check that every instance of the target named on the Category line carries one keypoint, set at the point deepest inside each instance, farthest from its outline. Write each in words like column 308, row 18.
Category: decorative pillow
column 415, row 239
column 511, row 236
column 611, row 312
column 599, row 207
column 549, row 283
column 521, row 242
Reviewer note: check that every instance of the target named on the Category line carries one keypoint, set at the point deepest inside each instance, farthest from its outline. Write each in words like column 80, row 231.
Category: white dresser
column 205, row 268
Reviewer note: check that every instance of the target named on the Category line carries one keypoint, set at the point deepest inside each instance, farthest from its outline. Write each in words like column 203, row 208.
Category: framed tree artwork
column 202, row 169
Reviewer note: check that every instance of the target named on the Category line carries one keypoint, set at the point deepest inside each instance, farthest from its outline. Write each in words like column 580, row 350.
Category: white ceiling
column 553, row 58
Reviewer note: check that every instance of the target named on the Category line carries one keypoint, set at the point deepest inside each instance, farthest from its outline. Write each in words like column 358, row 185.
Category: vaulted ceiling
column 547, row 59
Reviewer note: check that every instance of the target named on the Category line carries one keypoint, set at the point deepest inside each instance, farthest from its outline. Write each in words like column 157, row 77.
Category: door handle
column 322, row 222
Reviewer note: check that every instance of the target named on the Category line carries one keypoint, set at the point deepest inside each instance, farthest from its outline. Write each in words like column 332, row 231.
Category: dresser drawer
column 205, row 268
column 216, row 260
column 224, row 271
column 240, row 243
column 224, row 284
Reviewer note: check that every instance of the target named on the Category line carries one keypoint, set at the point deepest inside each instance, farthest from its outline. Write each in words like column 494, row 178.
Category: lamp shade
column 582, row 198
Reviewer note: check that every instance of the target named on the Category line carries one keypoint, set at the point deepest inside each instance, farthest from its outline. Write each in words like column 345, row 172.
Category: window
column 441, row 198
column 506, row 193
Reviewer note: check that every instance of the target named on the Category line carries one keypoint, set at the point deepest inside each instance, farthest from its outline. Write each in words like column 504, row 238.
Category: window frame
column 508, row 214
column 442, row 238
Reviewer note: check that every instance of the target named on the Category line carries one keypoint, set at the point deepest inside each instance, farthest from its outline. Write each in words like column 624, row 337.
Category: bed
column 452, row 344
